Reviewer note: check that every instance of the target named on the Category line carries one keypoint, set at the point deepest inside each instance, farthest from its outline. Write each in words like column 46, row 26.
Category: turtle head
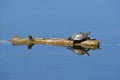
column 88, row 33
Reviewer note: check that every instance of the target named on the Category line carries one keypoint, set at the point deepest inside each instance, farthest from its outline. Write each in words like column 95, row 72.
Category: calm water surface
column 59, row 18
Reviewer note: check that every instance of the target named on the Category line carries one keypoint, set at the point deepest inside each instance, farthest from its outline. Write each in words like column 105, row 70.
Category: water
column 59, row 18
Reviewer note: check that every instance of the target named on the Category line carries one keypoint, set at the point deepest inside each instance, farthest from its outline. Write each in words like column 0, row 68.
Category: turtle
column 79, row 37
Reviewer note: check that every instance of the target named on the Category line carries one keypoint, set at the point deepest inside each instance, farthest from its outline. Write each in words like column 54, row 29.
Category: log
column 30, row 41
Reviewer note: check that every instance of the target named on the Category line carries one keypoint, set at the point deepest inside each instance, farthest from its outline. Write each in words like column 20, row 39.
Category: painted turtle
column 78, row 37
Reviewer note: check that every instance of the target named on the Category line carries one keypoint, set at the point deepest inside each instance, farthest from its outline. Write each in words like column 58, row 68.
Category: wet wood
column 16, row 40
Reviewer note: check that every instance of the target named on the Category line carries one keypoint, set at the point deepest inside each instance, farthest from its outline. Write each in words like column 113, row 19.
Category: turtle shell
column 79, row 36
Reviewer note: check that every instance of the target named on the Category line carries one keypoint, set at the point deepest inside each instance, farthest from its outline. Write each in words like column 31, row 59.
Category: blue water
column 59, row 18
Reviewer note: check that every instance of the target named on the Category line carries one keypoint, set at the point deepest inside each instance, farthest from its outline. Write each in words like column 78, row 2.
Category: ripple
column 4, row 41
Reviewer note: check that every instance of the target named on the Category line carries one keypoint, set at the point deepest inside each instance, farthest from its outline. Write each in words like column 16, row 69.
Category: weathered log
column 16, row 40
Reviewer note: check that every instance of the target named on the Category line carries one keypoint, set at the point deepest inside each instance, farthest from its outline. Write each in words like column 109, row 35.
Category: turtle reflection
column 80, row 50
